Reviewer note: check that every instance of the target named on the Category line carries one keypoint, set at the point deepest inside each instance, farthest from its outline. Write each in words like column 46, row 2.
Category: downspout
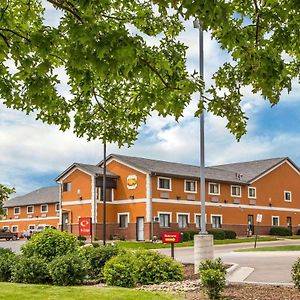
column 93, row 210
column 149, row 209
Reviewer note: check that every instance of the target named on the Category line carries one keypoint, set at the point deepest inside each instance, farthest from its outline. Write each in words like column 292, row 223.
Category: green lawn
column 277, row 248
column 15, row 291
column 149, row 245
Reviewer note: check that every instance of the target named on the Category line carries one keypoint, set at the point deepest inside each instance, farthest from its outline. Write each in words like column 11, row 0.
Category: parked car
column 8, row 235
column 42, row 227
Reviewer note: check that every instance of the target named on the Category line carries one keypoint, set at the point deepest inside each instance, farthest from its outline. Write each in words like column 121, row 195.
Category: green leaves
column 5, row 192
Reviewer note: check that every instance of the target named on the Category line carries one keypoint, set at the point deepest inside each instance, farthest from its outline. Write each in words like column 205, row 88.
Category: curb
column 232, row 268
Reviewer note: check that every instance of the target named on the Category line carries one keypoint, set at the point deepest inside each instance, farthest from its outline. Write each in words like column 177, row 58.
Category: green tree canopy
column 4, row 195
column 117, row 79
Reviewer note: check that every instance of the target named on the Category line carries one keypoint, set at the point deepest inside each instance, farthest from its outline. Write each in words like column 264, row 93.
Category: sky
column 33, row 154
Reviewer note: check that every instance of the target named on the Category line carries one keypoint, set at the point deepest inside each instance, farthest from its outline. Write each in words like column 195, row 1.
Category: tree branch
column 15, row 33
column 5, row 40
column 99, row 104
column 62, row 7
column 257, row 21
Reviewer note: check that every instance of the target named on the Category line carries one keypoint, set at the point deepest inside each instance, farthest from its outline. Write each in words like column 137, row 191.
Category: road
column 269, row 267
column 13, row 245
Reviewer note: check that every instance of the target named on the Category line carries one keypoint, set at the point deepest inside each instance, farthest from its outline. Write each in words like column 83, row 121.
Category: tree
column 117, row 79
column 4, row 195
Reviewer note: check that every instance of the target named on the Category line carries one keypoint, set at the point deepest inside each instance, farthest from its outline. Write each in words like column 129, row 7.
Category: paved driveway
column 13, row 245
column 269, row 267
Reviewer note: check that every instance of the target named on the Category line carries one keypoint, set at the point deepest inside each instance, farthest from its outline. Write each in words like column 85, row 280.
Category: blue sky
column 32, row 154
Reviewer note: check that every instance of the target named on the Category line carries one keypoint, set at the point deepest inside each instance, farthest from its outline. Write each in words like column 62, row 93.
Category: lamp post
column 202, row 151
column 104, row 194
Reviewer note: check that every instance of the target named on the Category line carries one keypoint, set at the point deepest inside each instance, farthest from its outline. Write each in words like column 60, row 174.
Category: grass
column 149, row 245
column 277, row 248
column 15, row 291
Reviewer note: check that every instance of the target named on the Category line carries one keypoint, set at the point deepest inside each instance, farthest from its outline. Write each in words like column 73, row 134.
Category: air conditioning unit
column 29, row 216
column 16, row 217
column 43, row 215
column 156, row 219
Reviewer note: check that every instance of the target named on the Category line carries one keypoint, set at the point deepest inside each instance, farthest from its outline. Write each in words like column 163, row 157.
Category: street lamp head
column 196, row 24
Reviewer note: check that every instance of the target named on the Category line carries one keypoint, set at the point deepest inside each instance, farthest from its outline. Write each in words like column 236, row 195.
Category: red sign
column 171, row 237
column 85, row 226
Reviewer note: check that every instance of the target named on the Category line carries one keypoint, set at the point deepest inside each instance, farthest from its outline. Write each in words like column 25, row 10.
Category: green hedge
column 7, row 260
column 281, row 231
column 218, row 234
column 189, row 235
column 230, row 234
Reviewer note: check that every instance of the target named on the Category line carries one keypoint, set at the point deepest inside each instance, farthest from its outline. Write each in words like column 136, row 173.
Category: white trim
column 31, row 219
column 234, row 185
column 32, row 209
column 161, row 189
column 218, row 188
column 128, row 201
column 216, row 215
column 13, row 227
column 148, row 198
column 184, row 186
column 60, row 203
column 197, row 214
column 275, row 167
column 165, row 213
column 123, row 214
column 125, row 164
column 224, row 205
column 251, row 187
column 16, row 214
column 93, row 201
column 183, row 213
column 290, row 196
column 5, row 227
column 57, row 204
column 72, row 169
column 76, row 202
column 44, row 211
column 278, row 220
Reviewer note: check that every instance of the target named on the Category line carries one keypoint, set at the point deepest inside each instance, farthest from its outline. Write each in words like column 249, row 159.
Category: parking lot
column 13, row 245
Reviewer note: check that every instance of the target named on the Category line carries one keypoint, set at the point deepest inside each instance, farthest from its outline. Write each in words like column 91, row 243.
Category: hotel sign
column 171, row 237
column 85, row 226
column 131, row 182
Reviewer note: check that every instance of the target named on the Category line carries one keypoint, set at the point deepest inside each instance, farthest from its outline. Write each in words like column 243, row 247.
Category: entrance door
column 64, row 224
column 140, row 229
column 289, row 222
column 250, row 228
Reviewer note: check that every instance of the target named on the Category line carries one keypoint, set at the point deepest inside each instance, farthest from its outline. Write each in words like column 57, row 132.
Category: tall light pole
column 197, row 24
column 104, row 193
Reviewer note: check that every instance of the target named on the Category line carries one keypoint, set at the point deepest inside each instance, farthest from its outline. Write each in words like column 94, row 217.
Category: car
column 8, row 235
column 42, row 227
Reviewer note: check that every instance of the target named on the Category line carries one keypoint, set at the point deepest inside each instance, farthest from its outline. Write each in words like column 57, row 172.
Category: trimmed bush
column 230, row 234
column 81, row 238
column 189, row 235
column 153, row 268
column 281, row 231
column 296, row 273
column 7, row 260
column 50, row 243
column 213, row 277
column 68, row 269
column 30, row 270
column 121, row 270
column 218, row 234
column 96, row 257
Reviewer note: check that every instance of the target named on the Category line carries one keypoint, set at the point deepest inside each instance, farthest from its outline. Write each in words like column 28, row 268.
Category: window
column 67, row 186
column 14, row 229
column 275, row 221
column 30, row 209
column 164, row 183
column 251, row 192
column 123, row 220
column 5, row 228
column 44, row 208
column 190, row 186
column 57, row 206
column 31, row 227
column 216, row 221
column 16, row 210
column 236, row 191
column 198, row 220
column 183, row 220
column 289, row 222
column 287, row 196
column 213, row 188
column 164, row 220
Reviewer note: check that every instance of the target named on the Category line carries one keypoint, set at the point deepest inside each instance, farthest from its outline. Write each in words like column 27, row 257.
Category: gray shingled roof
column 250, row 170
column 40, row 196
column 91, row 169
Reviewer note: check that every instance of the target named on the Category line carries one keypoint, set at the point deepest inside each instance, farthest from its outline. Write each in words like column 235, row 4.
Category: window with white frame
column 183, row 220
column 216, row 221
column 275, row 220
column 190, row 186
column 14, row 228
column 164, row 220
column 30, row 209
column 198, row 221
column 251, row 192
column 67, row 186
column 31, row 227
column 44, row 208
column 123, row 220
column 57, row 206
column 17, row 210
column 213, row 188
column 164, row 183
column 287, row 196
column 5, row 228
column 236, row 191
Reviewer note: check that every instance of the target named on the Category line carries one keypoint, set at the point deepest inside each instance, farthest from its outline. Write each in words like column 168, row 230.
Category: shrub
column 81, row 238
column 188, row 235
column 50, row 243
column 281, row 231
column 68, row 269
column 230, row 234
column 218, row 234
column 296, row 274
column 30, row 270
column 213, row 277
column 121, row 270
column 155, row 268
column 7, row 259
column 96, row 257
